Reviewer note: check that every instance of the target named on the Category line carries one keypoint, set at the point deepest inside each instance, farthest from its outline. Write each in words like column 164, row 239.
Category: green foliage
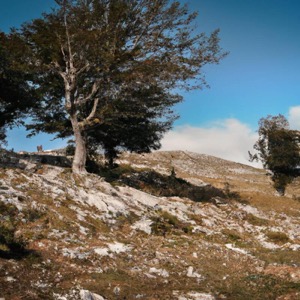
column 136, row 125
column 278, row 149
column 70, row 149
column 88, row 55
column 17, row 97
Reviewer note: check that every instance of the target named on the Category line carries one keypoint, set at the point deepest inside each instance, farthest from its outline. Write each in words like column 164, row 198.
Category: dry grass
column 221, row 271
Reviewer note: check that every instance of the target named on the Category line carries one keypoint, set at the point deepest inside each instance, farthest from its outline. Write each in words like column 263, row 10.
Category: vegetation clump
column 278, row 148
column 10, row 245
column 277, row 237
column 256, row 221
column 165, row 223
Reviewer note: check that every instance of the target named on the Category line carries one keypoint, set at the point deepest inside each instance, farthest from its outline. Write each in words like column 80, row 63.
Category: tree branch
column 146, row 28
column 92, row 114
column 83, row 68
column 82, row 101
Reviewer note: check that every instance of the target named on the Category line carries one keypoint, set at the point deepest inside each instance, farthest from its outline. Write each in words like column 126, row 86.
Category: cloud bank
column 228, row 139
column 294, row 117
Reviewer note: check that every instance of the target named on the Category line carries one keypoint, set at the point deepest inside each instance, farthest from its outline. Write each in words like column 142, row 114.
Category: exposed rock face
column 87, row 295
column 65, row 237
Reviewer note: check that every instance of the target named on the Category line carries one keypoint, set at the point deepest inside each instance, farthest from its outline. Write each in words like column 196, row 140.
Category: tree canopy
column 278, row 149
column 17, row 97
column 136, row 125
column 89, row 53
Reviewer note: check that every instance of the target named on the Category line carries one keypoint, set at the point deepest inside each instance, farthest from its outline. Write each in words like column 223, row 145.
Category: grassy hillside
column 167, row 225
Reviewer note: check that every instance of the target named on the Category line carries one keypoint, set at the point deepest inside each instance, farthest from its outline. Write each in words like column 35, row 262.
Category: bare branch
column 83, row 68
column 82, row 101
column 92, row 114
column 57, row 67
column 145, row 30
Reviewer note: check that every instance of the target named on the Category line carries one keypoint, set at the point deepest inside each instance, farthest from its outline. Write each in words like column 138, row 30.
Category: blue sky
column 260, row 76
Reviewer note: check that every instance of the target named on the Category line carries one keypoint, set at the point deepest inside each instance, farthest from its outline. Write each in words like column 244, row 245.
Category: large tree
column 278, row 148
column 88, row 53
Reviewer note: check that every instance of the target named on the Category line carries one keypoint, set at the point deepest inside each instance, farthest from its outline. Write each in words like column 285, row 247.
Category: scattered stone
column 159, row 272
column 191, row 273
column 117, row 290
column 10, row 279
column 193, row 296
column 218, row 201
column 87, row 295
column 231, row 247
column 143, row 225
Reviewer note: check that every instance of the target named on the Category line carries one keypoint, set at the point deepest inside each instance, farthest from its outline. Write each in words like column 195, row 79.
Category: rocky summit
column 165, row 225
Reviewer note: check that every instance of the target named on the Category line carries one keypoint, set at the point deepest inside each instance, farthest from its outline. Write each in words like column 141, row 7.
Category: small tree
column 89, row 52
column 278, row 149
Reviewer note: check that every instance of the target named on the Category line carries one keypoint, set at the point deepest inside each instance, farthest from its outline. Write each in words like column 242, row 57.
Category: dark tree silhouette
column 17, row 97
column 278, row 149
column 86, row 54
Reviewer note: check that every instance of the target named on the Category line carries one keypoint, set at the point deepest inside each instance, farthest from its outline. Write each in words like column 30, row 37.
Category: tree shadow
column 18, row 254
column 161, row 185
column 10, row 159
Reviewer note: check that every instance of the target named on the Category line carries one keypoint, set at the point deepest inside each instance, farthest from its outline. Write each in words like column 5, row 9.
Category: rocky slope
column 81, row 237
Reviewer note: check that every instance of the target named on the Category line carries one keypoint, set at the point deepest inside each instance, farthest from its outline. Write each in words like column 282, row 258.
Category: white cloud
column 294, row 117
column 228, row 139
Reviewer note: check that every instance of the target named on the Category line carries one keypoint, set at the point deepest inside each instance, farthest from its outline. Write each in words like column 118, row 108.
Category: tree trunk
column 79, row 160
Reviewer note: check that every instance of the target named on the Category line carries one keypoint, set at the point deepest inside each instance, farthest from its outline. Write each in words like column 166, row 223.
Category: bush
column 277, row 237
column 166, row 222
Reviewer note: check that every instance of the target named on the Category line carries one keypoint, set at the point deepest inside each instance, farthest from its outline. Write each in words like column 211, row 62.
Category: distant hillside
column 165, row 225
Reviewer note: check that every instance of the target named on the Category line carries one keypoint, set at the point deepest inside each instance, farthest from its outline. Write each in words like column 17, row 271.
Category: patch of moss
column 231, row 235
column 256, row 221
column 257, row 287
column 277, row 237
column 279, row 256
column 165, row 223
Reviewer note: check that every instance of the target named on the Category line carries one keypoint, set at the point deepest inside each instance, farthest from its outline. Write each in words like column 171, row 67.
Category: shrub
column 165, row 222
column 277, row 237
column 256, row 221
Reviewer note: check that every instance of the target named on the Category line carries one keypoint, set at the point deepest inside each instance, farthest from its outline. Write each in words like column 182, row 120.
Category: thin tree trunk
column 79, row 159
